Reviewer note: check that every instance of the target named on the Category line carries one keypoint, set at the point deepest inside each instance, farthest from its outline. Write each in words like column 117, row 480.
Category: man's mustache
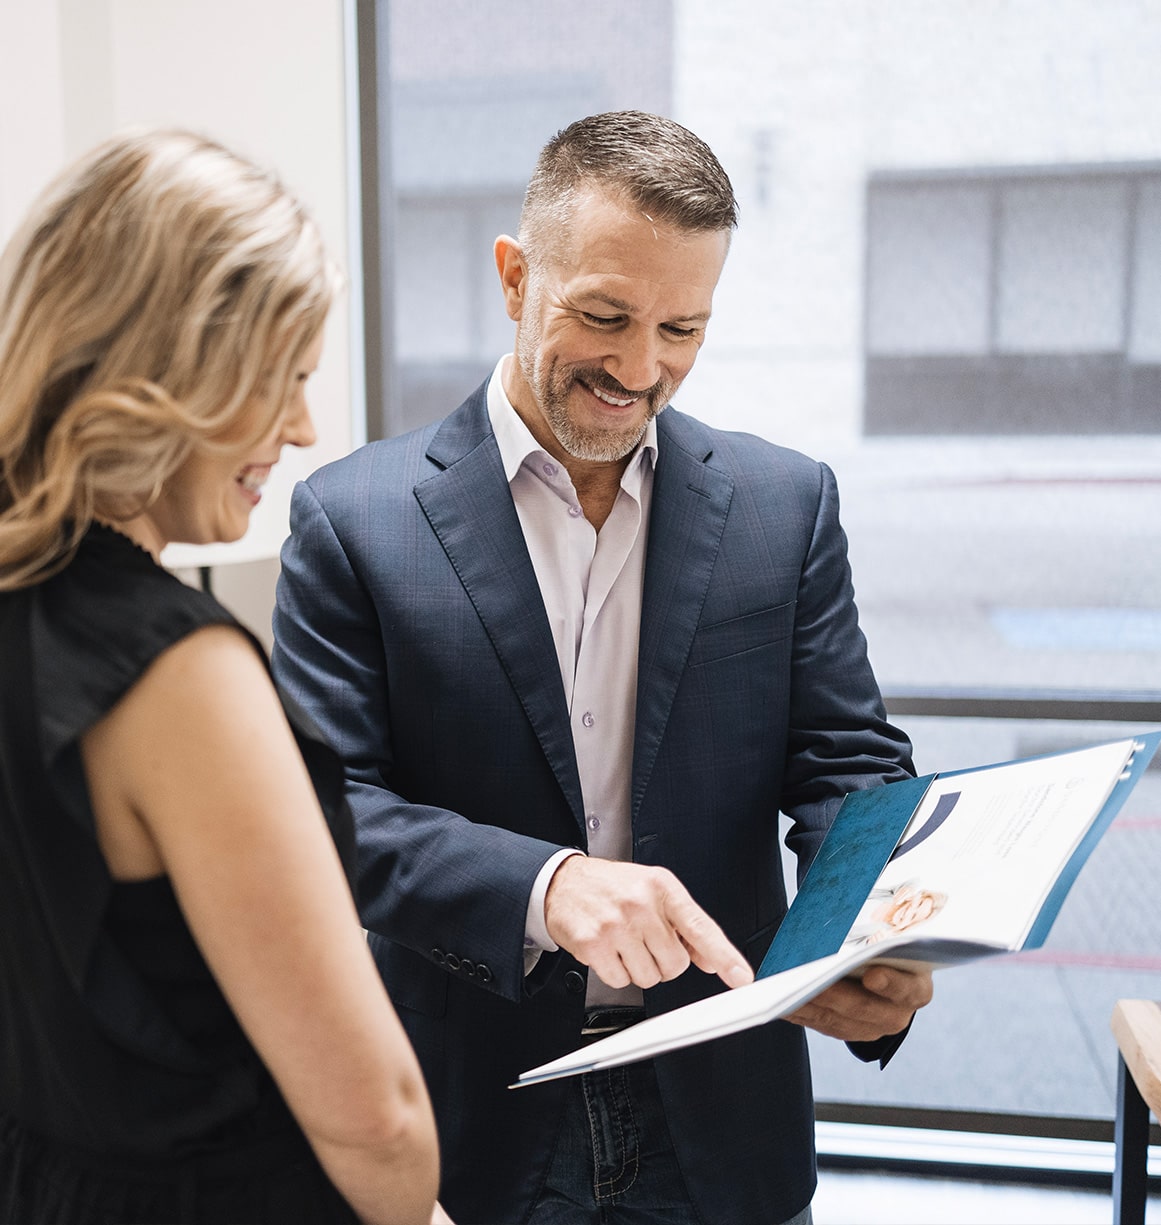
column 599, row 380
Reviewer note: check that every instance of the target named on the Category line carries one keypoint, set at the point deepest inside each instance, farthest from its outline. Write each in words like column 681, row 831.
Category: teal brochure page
column 861, row 839
column 866, row 835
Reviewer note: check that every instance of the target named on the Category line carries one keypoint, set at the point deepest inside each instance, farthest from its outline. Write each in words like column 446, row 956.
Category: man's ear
column 513, row 274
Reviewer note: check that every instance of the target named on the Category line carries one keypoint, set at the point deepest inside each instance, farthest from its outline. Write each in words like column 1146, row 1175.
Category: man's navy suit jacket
column 410, row 625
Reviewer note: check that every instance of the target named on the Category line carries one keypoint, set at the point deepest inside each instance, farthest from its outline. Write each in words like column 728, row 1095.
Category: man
column 563, row 621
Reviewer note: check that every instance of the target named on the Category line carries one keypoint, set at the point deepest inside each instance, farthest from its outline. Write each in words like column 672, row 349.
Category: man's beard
column 552, row 388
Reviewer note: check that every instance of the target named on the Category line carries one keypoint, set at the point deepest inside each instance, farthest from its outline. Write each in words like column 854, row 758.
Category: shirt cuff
column 536, row 937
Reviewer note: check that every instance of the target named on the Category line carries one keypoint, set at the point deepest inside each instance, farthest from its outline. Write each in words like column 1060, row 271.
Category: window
column 1014, row 302
column 977, row 352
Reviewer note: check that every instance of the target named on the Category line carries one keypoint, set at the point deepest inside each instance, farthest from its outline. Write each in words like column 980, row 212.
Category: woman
column 191, row 1026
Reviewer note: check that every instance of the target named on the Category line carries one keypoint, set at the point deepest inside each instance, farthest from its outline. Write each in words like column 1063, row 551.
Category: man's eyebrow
column 606, row 299
column 618, row 304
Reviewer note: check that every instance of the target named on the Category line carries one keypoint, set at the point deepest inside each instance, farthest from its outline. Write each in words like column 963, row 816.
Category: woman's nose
column 298, row 428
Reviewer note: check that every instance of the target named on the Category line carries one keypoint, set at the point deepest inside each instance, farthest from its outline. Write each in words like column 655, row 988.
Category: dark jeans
column 614, row 1162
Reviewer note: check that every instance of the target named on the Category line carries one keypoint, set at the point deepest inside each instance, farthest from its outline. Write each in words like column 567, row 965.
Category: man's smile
column 608, row 399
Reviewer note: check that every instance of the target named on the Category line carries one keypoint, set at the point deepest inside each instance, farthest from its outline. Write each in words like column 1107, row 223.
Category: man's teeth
column 608, row 399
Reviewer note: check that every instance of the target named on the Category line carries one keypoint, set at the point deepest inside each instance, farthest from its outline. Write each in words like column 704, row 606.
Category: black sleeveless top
column 128, row 1091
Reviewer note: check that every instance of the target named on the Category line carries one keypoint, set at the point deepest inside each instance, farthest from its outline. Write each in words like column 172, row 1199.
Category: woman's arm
column 196, row 773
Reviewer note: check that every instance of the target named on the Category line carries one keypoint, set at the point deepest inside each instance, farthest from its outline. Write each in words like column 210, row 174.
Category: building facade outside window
column 1014, row 302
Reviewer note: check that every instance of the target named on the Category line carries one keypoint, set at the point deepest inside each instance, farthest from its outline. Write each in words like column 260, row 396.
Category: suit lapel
column 690, row 502
column 470, row 509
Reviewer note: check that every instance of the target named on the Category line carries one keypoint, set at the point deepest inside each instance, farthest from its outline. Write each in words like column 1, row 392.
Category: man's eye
column 601, row 320
column 674, row 330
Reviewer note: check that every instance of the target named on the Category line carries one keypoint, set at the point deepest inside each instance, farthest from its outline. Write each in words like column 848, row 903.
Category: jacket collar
column 481, row 535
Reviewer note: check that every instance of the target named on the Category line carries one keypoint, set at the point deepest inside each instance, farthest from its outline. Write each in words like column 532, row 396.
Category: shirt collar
column 517, row 444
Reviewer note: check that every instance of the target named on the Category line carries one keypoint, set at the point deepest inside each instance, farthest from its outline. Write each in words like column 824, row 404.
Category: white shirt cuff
column 536, row 937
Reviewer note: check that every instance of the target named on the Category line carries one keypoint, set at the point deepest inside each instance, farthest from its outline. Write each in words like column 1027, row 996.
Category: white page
column 727, row 1013
column 994, row 859
column 990, row 865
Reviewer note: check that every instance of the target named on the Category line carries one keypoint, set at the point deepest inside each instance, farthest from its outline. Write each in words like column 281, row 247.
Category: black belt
column 601, row 1022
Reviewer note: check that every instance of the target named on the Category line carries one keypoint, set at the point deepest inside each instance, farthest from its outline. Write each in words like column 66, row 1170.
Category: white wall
column 264, row 76
column 31, row 105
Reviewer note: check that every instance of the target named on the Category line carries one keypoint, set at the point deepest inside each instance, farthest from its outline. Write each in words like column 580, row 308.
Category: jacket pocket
column 755, row 948
column 749, row 632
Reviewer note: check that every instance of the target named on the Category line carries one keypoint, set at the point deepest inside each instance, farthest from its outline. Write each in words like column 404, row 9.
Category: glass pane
column 432, row 260
column 1145, row 332
column 1062, row 267
column 998, row 564
column 449, row 309
column 929, row 260
column 1020, row 557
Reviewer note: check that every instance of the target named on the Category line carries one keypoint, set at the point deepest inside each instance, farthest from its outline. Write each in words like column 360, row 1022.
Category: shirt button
column 594, row 822
column 574, row 982
column 587, row 718
column 575, row 511
column 549, row 469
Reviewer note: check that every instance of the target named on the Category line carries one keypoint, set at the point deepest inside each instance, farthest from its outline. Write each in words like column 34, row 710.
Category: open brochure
column 937, row 871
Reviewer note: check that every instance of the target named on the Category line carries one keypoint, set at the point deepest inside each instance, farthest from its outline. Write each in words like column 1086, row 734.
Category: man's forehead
column 618, row 254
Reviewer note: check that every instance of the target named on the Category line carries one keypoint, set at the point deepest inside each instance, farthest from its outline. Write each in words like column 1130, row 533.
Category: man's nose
column 636, row 363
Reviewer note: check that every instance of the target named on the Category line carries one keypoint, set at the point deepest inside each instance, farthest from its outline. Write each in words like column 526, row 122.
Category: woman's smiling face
column 211, row 496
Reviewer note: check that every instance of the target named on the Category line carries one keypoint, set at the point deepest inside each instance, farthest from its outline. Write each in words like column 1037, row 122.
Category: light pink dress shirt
column 591, row 584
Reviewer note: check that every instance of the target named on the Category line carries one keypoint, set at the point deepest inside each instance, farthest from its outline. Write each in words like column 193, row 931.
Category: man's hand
column 882, row 1004
column 635, row 924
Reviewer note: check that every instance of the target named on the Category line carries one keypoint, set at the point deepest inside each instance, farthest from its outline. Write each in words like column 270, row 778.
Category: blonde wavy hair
column 156, row 300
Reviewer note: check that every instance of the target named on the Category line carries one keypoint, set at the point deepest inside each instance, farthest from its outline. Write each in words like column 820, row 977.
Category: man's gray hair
column 656, row 164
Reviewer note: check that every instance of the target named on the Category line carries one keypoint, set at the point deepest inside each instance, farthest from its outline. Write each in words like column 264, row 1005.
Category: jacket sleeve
column 453, row 890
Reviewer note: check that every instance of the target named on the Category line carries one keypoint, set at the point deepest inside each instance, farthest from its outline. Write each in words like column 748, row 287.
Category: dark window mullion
column 1129, row 288
column 995, row 268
